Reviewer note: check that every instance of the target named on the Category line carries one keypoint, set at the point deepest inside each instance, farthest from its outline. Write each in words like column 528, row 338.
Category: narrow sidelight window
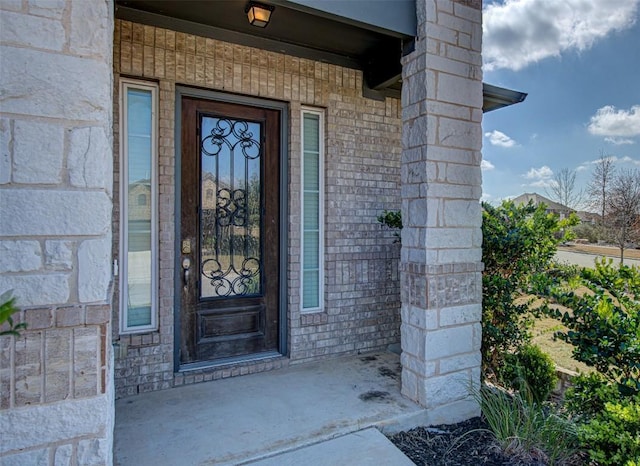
column 138, row 207
column 312, row 210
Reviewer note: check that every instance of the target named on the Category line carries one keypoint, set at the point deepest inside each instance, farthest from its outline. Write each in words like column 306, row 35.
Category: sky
column 579, row 62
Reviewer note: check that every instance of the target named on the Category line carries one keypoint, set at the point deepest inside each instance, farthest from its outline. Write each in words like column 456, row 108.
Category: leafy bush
column 608, row 420
column 528, row 430
column 393, row 220
column 531, row 372
column 7, row 309
column 588, row 395
column 604, row 323
column 519, row 243
column 613, row 435
column 587, row 231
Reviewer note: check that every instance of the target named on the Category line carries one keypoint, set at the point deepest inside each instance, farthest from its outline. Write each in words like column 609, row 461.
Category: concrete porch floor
column 249, row 418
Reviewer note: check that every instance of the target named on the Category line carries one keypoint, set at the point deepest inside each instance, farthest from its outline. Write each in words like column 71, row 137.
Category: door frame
column 283, row 108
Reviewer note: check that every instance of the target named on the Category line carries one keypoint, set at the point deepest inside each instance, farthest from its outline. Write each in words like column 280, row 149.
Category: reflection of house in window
column 208, row 191
column 139, row 200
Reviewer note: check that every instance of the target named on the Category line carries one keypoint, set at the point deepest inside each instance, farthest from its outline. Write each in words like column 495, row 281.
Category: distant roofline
column 540, row 199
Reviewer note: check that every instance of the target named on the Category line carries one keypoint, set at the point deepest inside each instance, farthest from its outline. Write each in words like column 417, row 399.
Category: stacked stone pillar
column 441, row 283
column 56, row 178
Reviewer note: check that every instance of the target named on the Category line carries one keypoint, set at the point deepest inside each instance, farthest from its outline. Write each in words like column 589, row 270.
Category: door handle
column 186, row 265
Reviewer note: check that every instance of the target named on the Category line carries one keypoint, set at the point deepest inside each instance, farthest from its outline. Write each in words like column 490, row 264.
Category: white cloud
column 543, row 172
column 498, row 138
column 544, row 183
column 619, row 141
column 486, row 197
column 485, row 165
column 520, row 32
column 540, row 177
column 627, row 159
column 618, row 126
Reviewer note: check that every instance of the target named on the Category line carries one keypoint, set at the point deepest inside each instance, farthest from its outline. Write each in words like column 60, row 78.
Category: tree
column 563, row 189
column 599, row 185
column 623, row 208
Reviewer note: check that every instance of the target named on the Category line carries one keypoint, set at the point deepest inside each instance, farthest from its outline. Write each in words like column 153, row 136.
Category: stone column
column 441, row 283
column 56, row 178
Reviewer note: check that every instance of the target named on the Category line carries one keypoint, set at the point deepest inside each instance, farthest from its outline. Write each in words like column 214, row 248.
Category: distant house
column 591, row 218
column 552, row 207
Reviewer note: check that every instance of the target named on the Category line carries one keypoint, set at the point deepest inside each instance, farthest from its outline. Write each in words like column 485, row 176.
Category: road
column 586, row 260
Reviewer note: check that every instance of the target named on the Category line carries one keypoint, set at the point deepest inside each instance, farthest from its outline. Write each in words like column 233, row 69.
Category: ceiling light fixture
column 258, row 14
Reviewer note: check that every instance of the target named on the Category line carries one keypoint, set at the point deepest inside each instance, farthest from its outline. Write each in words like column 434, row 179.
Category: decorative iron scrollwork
column 232, row 282
column 232, row 207
column 231, row 133
column 230, row 229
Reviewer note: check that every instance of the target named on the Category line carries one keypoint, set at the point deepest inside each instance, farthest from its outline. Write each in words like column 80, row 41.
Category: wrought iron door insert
column 229, row 228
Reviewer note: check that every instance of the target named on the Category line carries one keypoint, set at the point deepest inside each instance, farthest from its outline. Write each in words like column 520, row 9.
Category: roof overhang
column 498, row 97
column 368, row 36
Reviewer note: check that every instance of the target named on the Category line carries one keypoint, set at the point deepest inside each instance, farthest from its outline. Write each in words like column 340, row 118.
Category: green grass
column 560, row 351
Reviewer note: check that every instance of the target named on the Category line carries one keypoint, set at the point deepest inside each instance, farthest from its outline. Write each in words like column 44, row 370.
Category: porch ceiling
column 294, row 29
column 299, row 30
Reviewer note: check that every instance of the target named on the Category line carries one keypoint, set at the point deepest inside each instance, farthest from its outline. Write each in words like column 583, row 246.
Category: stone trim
column 64, row 316
column 43, row 366
column 441, row 285
column 65, row 432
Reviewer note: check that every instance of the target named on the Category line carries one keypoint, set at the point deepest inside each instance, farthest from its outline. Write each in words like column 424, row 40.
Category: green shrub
column 7, row 309
column 588, row 395
column 392, row 219
column 527, row 430
column 612, row 437
column 531, row 372
column 604, row 323
column 587, row 231
column 519, row 243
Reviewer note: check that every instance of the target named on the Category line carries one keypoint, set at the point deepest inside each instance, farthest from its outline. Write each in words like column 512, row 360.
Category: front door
column 230, row 237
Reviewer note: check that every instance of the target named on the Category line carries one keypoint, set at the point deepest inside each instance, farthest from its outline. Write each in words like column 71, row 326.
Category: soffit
column 298, row 30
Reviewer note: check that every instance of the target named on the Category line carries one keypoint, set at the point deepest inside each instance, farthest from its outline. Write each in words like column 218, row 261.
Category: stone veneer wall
column 56, row 380
column 441, row 187
column 362, row 170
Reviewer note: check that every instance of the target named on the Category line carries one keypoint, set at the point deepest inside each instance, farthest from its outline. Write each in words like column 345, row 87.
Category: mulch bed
column 467, row 443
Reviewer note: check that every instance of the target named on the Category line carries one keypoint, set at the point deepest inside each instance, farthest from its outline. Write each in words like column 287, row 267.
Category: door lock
column 186, row 265
column 186, row 246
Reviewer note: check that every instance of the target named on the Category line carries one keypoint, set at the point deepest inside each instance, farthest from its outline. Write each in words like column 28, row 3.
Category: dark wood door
column 229, row 230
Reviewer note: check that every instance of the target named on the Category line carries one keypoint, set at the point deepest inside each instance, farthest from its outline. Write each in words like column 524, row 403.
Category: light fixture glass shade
column 259, row 15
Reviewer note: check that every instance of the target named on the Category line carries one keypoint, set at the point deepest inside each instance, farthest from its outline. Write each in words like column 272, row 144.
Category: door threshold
column 218, row 363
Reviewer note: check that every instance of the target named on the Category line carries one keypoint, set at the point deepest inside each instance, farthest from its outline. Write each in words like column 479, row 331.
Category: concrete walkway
column 367, row 447
column 287, row 412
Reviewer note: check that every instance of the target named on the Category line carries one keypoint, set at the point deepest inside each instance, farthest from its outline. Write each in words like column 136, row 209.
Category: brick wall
column 362, row 178
column 56, row 390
